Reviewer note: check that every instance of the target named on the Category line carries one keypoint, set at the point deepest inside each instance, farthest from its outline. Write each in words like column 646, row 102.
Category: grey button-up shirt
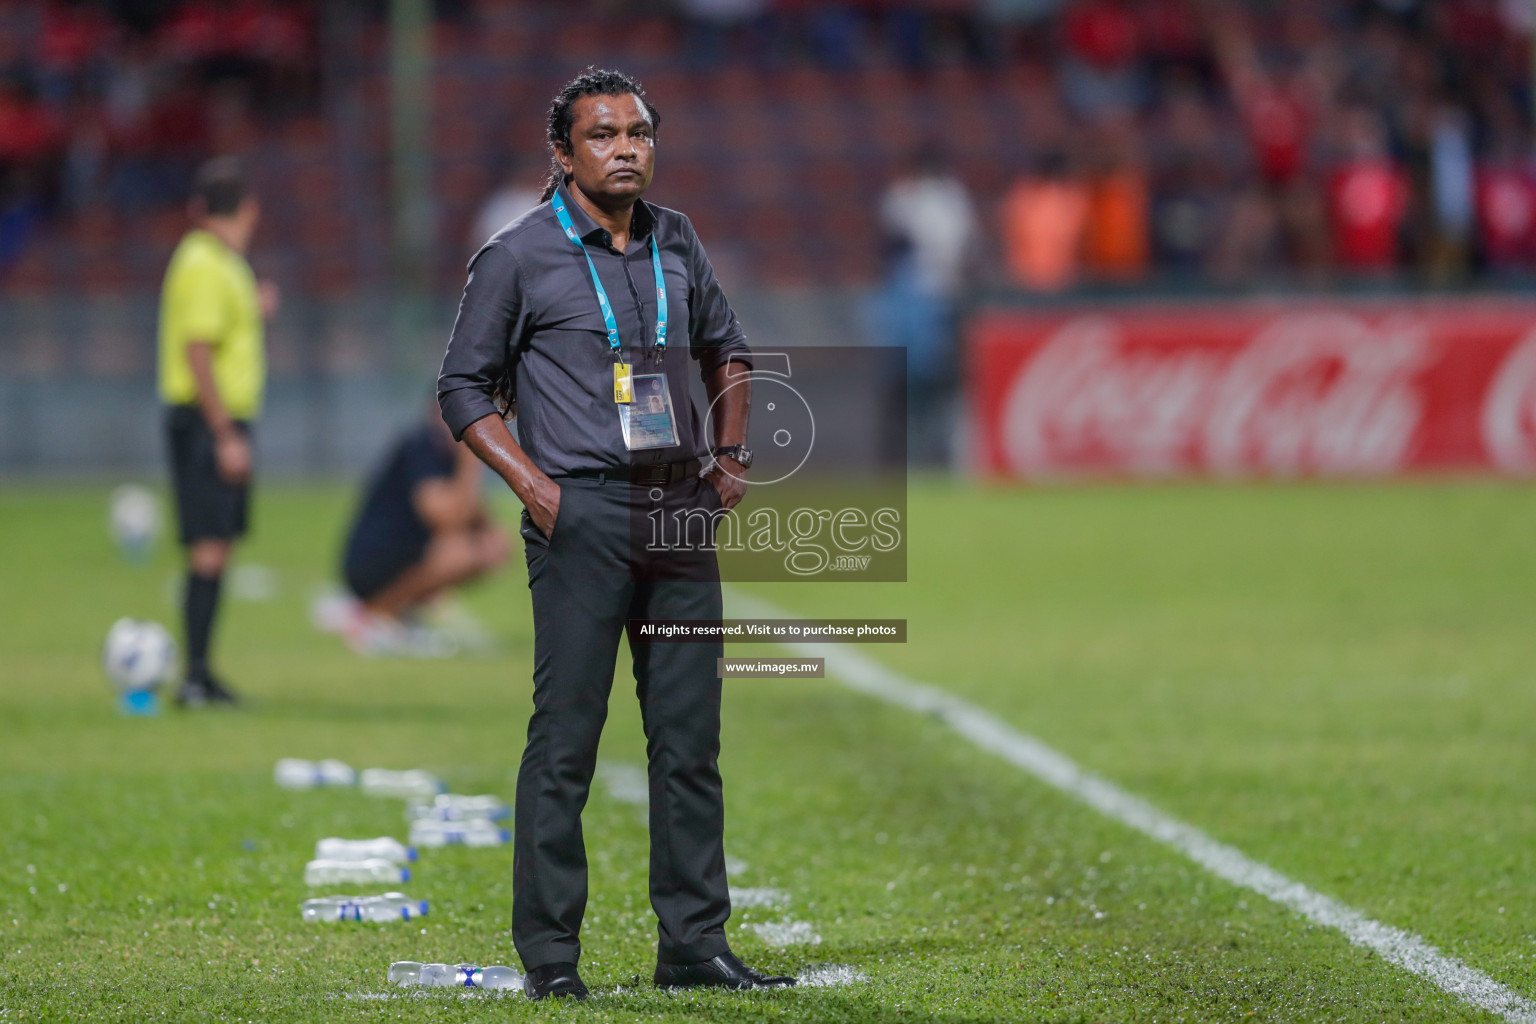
column 530, row 313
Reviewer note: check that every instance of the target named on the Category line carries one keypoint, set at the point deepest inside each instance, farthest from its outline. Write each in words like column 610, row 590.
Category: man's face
column 613, row 147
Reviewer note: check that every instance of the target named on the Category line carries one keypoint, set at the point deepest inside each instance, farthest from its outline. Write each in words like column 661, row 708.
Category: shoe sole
column 570, row 993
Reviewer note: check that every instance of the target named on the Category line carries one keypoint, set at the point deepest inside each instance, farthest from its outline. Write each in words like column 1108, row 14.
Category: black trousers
column 588, row 578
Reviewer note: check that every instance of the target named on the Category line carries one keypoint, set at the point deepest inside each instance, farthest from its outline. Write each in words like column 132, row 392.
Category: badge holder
column 647, row 420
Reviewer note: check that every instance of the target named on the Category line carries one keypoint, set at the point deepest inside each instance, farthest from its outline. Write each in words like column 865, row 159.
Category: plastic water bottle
column 135, row 522
column 428, row 832
column 382, row 848
column 330, row 908
column 457, row 807
column 354, row 872
column 392, row 906
column 296, row 773
column 417, row 783
column 409, row 972
column 489, row 978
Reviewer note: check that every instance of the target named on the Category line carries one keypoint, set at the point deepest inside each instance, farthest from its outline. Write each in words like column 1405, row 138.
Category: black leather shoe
column 723, row 971
column 559, row 980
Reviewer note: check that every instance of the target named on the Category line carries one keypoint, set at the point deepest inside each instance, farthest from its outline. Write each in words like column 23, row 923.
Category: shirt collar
column 204, row 235
column 588, row 230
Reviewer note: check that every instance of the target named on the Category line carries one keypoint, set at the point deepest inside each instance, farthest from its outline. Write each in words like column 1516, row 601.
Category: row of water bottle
column 452, row 819
column 380, row 860
column 361, row 862
column 297, row 773
column 457, row 807
column 428, row 806
column 436, row 819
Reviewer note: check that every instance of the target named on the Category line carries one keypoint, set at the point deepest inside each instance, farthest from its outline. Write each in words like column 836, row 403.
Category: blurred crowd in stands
column 1044, row 145
column 115, row 103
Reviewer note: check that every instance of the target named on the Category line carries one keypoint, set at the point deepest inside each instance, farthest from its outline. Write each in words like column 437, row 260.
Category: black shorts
column 369, row 570
column 207, row 506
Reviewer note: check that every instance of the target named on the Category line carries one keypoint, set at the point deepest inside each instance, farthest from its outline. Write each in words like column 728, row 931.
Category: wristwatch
column 739, row 452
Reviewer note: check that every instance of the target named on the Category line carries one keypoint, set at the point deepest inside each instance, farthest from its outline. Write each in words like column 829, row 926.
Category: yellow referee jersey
column 210, row 296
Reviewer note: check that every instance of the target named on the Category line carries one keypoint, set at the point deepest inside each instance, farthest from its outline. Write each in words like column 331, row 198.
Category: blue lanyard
column 602, row 295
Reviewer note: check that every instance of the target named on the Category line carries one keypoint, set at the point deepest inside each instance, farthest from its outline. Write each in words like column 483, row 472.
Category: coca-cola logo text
column 1317, row 392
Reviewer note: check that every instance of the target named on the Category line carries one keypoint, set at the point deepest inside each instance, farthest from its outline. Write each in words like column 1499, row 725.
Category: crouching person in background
column 422, row 529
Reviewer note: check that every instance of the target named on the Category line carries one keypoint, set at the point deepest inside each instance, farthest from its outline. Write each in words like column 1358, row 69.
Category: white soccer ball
column 138, row 655
column 134, row 519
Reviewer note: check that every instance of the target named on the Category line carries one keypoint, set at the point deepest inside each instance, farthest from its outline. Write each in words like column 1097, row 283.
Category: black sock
column 201, row 604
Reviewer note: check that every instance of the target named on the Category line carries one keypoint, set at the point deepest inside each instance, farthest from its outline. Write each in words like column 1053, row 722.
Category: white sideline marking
column 1405, row 949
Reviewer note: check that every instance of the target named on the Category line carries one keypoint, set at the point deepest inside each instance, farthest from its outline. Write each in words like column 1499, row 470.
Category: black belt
column 646, row 476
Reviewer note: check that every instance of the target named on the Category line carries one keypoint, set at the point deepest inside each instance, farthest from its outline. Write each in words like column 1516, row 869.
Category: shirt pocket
column 578, row 340
column 573, row 316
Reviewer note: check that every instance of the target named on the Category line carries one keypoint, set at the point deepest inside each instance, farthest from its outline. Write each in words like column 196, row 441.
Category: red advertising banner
column 1273, row 388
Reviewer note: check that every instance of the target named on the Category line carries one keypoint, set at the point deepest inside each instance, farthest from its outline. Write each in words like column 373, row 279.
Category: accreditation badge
column 647, row 421
column 623, row 392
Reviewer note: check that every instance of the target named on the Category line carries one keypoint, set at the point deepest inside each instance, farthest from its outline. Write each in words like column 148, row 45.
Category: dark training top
column 530, row 309
column 388, row 528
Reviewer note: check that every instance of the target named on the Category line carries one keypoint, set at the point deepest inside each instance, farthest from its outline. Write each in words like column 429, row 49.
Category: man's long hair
column 594, row 81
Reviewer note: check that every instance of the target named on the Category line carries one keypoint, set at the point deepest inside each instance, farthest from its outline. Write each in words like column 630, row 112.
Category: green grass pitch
column 1339, row 680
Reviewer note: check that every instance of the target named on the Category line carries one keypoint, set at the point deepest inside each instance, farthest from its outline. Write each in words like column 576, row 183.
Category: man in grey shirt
column 587, row 314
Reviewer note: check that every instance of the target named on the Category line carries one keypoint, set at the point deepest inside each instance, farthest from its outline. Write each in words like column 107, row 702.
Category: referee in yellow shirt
column 212, row 369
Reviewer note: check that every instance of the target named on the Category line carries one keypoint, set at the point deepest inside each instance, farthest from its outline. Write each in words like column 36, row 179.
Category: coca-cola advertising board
column 1272, row 389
